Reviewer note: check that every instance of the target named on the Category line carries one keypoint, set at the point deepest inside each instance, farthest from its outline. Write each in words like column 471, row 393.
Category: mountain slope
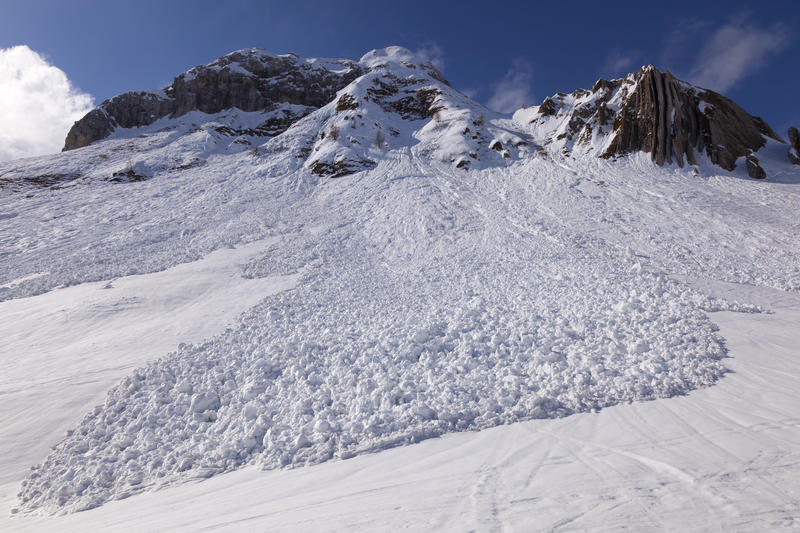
column 646, row 111
column 460, row 273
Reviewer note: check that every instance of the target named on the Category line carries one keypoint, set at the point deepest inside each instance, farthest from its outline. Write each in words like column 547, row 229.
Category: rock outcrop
column 254, row 80
column 250, row 80
column 653, row 112
column 128, row 110
column 673, row 120
column 794, row 141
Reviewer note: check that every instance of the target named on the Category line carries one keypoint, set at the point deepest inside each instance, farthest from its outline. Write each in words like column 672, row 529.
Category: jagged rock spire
column 653, row 112
column 673, row 120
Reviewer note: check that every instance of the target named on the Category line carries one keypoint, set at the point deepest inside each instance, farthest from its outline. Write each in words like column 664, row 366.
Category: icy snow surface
column 428, row 296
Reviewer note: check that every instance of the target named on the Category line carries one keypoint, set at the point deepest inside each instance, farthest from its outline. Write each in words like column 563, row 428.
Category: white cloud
column 514, row 90
column 432, row 53
column 734, row 52
column 38, row 104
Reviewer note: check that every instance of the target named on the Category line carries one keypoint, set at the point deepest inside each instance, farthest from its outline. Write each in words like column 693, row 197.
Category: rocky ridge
column 391, row 99
column 250, row 80
column 794, row 141
column 653, row 112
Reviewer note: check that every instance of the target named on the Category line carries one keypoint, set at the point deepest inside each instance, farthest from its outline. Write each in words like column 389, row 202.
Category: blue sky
column 502, row 53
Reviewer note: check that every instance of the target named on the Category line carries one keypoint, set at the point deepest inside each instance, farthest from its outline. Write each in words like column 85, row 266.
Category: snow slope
column 95, row 333
column 726, row 458
column 428, row 296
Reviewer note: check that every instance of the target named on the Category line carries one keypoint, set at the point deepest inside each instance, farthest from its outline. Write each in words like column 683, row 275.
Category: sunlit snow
column 415, row 298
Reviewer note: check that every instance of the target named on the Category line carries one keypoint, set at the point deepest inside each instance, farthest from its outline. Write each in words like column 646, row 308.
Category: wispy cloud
column 432, row 53
column 619, row 62
column 470, row 93
column 681, row 43
column 38, row 104
column 514, row 90
column 735, row 51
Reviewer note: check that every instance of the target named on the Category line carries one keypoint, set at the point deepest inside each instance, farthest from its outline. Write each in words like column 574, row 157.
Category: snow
column 726, row 457
column 421, row 322
column 236, row 317
column 381, row 57
column 98, row 332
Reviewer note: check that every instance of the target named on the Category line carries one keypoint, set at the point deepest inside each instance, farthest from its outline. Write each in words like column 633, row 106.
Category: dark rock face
column 794, row 141
column 404, row 97
column 251, row 80
column 340, row 168
column 138, row 108
column 548, row 107
column 754, row 170
column 127, row 110
column 671, row 119
column 97, row 124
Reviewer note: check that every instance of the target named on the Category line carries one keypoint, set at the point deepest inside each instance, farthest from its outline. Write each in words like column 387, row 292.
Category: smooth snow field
column 556, row 343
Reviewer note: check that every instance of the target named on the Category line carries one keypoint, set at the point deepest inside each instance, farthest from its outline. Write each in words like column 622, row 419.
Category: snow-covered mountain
column 652, row 112
column 382, row 100
column 466, row 269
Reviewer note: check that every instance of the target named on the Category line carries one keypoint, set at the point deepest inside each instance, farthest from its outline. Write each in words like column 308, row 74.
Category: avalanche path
column 726, row 458
column 428, row 300
column 62, row 350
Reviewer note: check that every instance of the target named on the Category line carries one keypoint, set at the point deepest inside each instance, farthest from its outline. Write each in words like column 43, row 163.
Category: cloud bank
column 38, row 104
column 734, row 52
column 514, row 90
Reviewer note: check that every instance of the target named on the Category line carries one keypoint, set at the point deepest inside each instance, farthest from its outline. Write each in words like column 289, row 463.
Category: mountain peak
column 654, row 112
column 393, row 57
column 648, row 110
column 381, row 56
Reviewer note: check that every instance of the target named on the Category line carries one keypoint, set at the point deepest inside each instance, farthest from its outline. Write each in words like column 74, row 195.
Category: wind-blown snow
column 431, row 297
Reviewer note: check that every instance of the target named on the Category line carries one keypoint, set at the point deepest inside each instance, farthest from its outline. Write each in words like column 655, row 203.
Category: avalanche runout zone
column 469, row 272
column 431, row 307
